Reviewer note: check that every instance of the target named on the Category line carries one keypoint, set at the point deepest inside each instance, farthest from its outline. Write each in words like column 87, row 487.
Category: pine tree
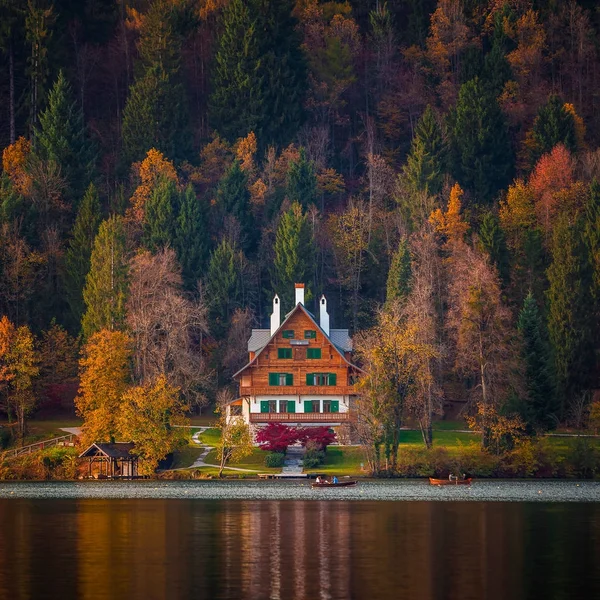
column 553, row 125
column 493, row 242
column 223, row 287
column 61, row 137
column 496, row 68
column 425, row 165
column 233, row 198
column 160, row 214
column 106, row 284
column 483, row 159
column 591, row 236
column 400, row 273
column 79, row 251
column 542, row 407
column 259, row 77
column 302, row 181
column 191, row 238
column 569, row 310
column 294, row 252
column 155, row 116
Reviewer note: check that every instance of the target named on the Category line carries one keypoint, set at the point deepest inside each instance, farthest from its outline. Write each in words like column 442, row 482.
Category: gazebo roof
column 119, row 450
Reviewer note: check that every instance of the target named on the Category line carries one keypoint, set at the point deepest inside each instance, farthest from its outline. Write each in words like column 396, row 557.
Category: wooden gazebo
column 113, row 461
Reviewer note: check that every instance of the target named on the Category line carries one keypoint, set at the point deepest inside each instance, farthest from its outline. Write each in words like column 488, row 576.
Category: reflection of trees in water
column 176, row 549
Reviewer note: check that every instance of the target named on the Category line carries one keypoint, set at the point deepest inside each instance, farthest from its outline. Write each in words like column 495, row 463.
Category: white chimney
column 299, row 294
column 323, row 315
column 276, row 315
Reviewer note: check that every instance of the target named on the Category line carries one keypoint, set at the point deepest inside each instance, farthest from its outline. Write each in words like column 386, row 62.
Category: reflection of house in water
column 293, row 550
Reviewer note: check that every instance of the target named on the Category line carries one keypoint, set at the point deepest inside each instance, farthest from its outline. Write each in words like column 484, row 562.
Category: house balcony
column 298, row 390
column 300, row 417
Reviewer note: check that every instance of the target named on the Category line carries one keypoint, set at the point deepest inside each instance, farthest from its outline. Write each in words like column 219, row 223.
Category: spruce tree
column 493, row 242
column 425, row 165
column 160, row 214
column 591, row 235
column 259, row 76
column 294, row 256
column 302, row 181
column 61, row 137
column 79, row 251
column 482, row 154
column 106, row 284
column 223, row 287
column 569, row 310
column 155, row 116
column 191, row 238
column 553, row 125
column 541, row 396
column 233, row 198
column 400, row 273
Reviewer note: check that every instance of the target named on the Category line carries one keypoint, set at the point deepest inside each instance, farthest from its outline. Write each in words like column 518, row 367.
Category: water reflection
column 154, row 549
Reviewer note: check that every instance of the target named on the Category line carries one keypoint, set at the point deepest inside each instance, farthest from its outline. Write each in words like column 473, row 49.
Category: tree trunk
column 11, row 87
column 223, row 462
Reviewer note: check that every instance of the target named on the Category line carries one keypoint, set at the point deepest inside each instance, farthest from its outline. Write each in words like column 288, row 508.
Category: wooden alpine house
column 299, row 372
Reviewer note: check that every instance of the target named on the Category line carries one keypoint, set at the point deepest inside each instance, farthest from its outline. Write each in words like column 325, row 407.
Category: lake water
column 191, row 540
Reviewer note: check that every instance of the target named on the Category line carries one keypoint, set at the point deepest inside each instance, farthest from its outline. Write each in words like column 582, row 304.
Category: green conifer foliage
column 425, row 165
column 542, row 406
column 553, row 125
column 592, row 241
column 106, row 284
column 61, row 137
column 259, row 76
column 79, row 251
column 294, row 256
column 223, row 287
column 482, row 154
column 400, row 273
column 233, row 198
column 191, row 238
column 155, row 116
column 569, row 311
column 493, row 242
column 160, row 215
column 302, row 181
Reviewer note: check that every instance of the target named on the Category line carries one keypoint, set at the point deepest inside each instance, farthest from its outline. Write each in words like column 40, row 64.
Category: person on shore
column 335, row 479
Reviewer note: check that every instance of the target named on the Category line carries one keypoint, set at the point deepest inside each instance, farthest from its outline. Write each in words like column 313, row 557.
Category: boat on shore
column 466, row 481
column 326, row 484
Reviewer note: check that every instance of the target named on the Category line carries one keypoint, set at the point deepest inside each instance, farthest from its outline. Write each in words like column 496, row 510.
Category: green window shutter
column 313, row 353
column 273, row 378
column 288, row 333
column 264, row 406
column 284, row 353
column 310, row 334
column 310, row 379
column 331, row 379
column 308, row 406
column 289, row 379
column 335, row 406
column 291, row 406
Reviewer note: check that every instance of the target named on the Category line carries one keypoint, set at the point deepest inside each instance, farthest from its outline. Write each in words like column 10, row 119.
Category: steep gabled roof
column 119, row 450
column 258, row 334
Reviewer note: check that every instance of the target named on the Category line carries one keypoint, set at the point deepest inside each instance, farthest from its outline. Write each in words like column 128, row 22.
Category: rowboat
column 467, row 481
column 333, row 485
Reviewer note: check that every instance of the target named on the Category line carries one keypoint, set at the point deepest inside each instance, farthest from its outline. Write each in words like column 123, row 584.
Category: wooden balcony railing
column 300, row 417
column 298, row 390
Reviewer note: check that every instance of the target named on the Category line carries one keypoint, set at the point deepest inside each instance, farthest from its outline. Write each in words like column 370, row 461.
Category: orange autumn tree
column 451, row 224
column 14, row 161
column 553, row 173
column 150, row 171
column 105, row 372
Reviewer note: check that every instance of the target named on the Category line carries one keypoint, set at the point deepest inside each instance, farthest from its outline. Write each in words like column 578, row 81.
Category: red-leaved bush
column 276, row 437
column 321, row 436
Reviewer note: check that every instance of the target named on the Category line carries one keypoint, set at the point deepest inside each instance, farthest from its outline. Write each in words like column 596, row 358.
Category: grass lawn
column 184, row 458
column 255, row 462
column 45, row 429
column 205, row 419
column 449, row 439
column 211, row 436
column 341, row 460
